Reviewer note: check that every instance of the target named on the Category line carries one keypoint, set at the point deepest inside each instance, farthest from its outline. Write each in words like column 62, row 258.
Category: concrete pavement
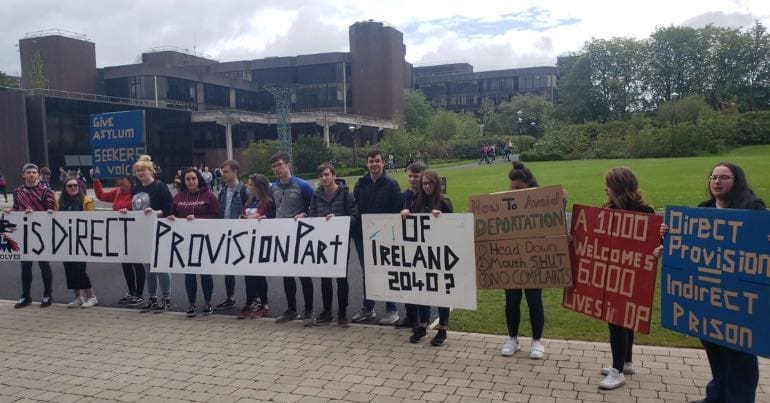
column 105, row 354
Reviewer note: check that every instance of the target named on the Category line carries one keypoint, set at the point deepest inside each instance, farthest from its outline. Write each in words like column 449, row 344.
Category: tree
column 37, row 72
column 417, row 111
column 677, row 63
column 575, row 103
column 533, row 110
column 617, row 68
column 6, row 81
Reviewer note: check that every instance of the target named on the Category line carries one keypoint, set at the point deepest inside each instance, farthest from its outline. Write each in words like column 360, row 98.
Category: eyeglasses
column 722, row 178
column 277, row 164
column 72, row 185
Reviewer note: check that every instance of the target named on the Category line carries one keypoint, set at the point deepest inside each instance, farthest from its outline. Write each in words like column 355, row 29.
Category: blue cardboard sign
column 117, row 140
column 715, row 282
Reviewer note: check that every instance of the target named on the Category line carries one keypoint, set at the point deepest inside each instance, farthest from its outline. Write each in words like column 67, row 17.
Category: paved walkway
column 104, row 354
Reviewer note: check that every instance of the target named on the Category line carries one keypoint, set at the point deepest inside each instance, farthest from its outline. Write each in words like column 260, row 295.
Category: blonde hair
column 144, row 162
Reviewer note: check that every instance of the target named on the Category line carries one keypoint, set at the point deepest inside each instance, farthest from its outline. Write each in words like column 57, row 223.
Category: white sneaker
column 390, row 318
column 628, row 369
column 613, row 380
column 537, row 351
column 511, row 346
column 90, row 302
column 75, row 303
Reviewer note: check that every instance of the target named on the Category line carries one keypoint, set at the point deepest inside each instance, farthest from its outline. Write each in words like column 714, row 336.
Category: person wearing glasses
column 735, row 374
column 429, row 200
column 72, row 199
column 232, row 197
column 152, row 197
column 292, row 196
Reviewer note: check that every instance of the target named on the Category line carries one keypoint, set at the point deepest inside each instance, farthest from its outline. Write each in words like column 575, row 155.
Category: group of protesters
column 735, row 374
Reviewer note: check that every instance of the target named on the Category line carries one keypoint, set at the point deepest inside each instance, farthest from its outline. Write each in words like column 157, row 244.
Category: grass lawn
column 663, row 181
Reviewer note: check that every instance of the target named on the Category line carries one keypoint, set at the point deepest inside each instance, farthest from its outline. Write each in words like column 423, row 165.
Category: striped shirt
column 35, row 198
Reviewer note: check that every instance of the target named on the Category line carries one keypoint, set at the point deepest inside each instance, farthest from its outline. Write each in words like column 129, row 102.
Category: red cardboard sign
column 614, row 269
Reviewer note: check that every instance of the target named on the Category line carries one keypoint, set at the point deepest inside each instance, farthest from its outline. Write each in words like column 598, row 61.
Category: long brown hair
column 625, row 186
column 424, row 202
column 65, row 200
column 262, row 184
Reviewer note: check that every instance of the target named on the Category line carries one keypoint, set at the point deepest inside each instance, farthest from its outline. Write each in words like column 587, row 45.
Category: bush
column 258, row 156
column 309, row 152
column 753, row 128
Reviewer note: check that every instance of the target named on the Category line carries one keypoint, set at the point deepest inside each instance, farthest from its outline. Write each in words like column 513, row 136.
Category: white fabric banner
column 422, row 259
column 88, row 236
column 309, row 247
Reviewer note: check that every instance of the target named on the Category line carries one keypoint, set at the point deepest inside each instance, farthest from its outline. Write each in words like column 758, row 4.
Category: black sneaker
column 207, row 310
column 126, row 299
column 46, row 302
column 163, row 306
column 342, row 319
column 151, row 305
column 418, row 334
column 192, row 310
column 439, row 338
column 136, row 300
column 405, row 323
column 287, row 316
column 227, row 303
column 324, row 318
column 23, row 302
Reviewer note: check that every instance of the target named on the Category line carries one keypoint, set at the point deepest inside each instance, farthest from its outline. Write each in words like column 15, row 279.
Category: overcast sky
column 489, row 34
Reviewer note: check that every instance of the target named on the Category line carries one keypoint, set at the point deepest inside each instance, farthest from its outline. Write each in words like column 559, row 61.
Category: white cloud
column 489, row 34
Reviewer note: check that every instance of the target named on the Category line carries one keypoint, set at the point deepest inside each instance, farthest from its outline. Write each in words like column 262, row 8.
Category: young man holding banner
column 29, row 197
column 232, row 197
column 375, row 193
column 292, row 196
column 330, row 200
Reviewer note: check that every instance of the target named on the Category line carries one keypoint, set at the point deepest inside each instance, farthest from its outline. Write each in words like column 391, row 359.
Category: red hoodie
column 118, row 197
column 202, row 204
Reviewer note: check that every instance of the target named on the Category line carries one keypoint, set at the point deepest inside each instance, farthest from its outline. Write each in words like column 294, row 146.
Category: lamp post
column 521, row 144
column 353, row 139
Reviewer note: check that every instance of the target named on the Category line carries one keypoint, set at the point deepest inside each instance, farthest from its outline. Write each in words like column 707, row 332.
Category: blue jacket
column 291, row 198
column 236, row 204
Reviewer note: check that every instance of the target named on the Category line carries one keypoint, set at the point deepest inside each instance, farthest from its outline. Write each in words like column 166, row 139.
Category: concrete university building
column 199, row 110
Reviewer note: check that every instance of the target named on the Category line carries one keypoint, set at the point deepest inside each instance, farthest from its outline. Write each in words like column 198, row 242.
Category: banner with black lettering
column 309, row 247
column 422, row 259
column 89, row 236
column 521, row 239
column 715, row 280
column 614, row 265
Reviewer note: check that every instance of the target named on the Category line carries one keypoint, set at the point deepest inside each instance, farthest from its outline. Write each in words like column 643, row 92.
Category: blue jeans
column 735, row 375
column 164, row 279
column 369, row 304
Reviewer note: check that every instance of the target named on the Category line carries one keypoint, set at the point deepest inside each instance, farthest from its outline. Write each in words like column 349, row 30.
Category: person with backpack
column 232, row 198
column 330, row 200
column 33, row 196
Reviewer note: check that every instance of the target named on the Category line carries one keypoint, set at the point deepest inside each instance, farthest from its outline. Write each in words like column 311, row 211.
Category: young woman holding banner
column 120, row 197
column 622, row 190
column 260, row 205
column 522, row 178
column 152, row 197
column 195, row 201
column 72, row 199
column 429, row 200
column 735, row 374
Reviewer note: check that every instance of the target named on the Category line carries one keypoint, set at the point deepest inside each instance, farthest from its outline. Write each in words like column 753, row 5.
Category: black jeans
column 622, row 345
column 424, row 316
column 735, row 374
column 230, row 286
column 26, row 278
column 191, row 284
column 327, row 291
column 134, row 274
column 256, row 287
column 290, row 288
column 76, row 276
column 536, row 313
